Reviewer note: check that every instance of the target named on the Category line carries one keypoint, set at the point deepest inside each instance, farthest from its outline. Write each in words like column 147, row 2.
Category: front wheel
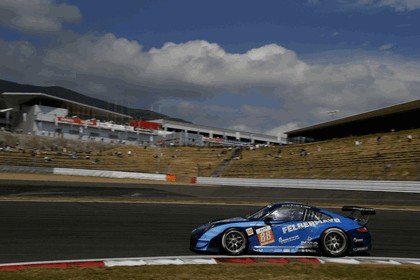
column 334, row 242
column 234, row 242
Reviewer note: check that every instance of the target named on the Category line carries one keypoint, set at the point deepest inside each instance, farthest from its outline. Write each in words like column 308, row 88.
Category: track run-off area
column 52, row 221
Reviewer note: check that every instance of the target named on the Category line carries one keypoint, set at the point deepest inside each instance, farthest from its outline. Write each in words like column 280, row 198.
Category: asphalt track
column 42, row 231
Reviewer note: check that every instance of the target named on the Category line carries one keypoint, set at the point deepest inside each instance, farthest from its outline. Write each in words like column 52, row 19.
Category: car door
column 282, row 232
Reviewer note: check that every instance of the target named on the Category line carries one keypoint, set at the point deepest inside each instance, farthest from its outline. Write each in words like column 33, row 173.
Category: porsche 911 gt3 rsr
column 287, row 227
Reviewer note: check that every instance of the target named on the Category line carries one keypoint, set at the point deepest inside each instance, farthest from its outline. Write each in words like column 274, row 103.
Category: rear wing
column 360, row 214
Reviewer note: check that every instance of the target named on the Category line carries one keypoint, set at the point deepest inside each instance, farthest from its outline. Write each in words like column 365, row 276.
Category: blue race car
column 287, row 227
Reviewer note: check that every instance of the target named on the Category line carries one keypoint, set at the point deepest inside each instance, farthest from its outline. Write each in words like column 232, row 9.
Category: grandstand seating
column 386, row 156
column 184, row 162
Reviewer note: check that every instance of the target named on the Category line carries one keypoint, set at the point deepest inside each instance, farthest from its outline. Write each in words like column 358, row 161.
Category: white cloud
column 280, row 130
column 397, row 5
column 386, row 47
column 265, row 88
column 39, row 16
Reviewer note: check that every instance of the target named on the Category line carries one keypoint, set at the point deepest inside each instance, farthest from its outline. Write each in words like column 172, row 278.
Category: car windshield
column 260, row 213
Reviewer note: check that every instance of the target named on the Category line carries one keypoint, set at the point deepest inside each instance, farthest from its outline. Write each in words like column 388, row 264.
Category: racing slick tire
column 334, row 243
column 234, row 242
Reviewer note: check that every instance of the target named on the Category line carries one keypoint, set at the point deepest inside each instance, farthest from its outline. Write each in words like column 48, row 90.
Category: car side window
column 312, row 215
column 287, row 214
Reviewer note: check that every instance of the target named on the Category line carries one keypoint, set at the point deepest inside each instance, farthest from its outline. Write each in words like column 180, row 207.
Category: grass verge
column 223, row 271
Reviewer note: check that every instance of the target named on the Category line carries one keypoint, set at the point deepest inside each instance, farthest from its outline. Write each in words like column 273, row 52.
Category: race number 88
column 266, row 237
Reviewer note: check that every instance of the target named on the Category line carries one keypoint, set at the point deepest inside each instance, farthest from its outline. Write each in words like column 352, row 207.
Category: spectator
column 303, row 152
column 409, row 138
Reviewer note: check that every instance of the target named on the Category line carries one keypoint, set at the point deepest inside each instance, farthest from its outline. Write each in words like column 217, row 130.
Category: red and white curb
column 191, row 260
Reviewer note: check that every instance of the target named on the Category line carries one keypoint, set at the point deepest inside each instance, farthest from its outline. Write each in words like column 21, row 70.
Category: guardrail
column 110, row 174
column 83, row 172
column 355, row 185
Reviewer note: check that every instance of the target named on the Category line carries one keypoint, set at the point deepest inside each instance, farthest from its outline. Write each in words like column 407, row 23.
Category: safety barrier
column 355, row 185
column 170, row 177
column 26, row 169
column 110, row 174
column 83, row 172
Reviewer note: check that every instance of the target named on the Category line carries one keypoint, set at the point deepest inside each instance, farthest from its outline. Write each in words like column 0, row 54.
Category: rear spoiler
column 361, row 210
column 360, row 214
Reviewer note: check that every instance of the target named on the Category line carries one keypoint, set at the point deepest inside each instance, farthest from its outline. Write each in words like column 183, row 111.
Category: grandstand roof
column 16, row 98
column 228, row 132
column 396, row 117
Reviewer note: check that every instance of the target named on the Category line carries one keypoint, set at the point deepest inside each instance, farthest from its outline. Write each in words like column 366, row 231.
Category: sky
column 259, row 66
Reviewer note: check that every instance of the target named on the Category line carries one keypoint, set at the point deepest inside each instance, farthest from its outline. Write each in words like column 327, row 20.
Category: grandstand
column 393, row 118
column 38, row 151
column 384, row 156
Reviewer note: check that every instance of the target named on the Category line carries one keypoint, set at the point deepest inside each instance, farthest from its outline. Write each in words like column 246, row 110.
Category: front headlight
column 203, row 228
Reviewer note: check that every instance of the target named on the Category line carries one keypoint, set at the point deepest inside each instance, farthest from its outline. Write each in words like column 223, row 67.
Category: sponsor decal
column 295, row 205
column 249, row 231
column 265, row 235
column 289, row 239
column 303, row 225
column 275, row 249
column 217, row 140
column 309, row 243
column 358, row 249
column 306, row 250
column 355, row 240
column 76, row 121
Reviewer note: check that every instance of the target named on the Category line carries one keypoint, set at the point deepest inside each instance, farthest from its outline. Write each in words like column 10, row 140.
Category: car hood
column 227, row 221
column 218, row 222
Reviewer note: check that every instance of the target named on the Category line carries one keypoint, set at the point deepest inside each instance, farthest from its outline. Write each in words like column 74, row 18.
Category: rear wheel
column 234, row 242
column 334, row 242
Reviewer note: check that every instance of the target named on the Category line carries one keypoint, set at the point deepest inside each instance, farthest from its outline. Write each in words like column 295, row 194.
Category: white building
column 48, row 115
